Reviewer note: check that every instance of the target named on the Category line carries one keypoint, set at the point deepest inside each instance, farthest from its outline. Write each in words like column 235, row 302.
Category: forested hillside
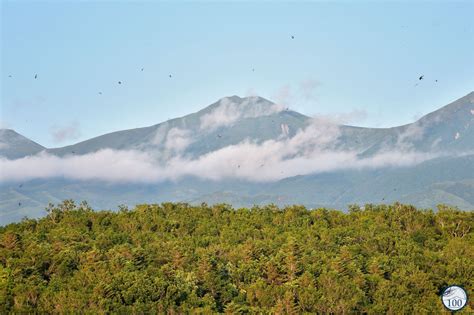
column 176, row 258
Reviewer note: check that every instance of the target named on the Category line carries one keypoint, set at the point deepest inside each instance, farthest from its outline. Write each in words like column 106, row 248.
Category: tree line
column 179, row 258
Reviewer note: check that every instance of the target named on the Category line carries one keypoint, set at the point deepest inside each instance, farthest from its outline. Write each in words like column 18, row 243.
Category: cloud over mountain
column 313, row 149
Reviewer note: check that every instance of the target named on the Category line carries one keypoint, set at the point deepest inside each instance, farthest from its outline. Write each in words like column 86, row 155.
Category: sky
column 345, row 57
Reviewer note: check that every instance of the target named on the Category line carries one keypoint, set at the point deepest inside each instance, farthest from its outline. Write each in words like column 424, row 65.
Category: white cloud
column 229, row 112
column 223, row 115
column 160, row 134
column 178, row 139
column 304, row 92
column 108, row 165
column 310, row 150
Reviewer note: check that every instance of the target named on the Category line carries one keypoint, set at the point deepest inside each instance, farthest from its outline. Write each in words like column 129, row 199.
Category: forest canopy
column 179, row 258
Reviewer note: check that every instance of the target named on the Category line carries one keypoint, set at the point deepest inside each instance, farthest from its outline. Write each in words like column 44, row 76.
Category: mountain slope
column 14, row 145
column 450, row 128
column 250, row 117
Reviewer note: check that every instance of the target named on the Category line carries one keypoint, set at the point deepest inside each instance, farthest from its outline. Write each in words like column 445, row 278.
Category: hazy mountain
column 255, row 118
column 447, row 177
column 14, row 145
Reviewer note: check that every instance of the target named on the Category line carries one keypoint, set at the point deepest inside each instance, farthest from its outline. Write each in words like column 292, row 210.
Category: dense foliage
column 176, row 257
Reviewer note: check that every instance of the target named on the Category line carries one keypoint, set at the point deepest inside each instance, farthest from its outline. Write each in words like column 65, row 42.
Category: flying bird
column 421, row 77
column 19, row 204
column 142, row 69
column 119, row 82
column 36, row 76
column 10, row 76
column 21, row 185
column 238, row 166
column 100, row 93
column 170, row 75
column 219, row 136
column 292, row 37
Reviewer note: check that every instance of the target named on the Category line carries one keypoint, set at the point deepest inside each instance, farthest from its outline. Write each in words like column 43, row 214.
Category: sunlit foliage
column 176, row 258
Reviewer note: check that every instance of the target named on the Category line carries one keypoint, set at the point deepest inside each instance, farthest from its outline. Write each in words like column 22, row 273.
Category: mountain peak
column 238, row 99
column 247, row 106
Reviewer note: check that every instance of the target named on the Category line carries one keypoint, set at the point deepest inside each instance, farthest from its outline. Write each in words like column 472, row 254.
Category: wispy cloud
column 65, row 133
column 283, row 96
column 228, row 112
column 304, row 91
column 309, row 88
column 178, row 139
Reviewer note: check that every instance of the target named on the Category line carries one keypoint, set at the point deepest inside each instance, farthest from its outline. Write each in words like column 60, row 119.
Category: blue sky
column 364, row 56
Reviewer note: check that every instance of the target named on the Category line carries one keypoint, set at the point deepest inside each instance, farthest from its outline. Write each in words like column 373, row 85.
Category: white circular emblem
column 454, row 298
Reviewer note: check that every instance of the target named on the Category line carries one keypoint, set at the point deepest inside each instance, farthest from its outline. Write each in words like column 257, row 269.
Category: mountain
column 250, row 117
column 14, row 145
column 442, row 141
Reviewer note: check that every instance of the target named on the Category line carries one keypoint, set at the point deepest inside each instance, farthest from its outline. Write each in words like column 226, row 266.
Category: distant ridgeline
column 248, row 151
column 178, row 258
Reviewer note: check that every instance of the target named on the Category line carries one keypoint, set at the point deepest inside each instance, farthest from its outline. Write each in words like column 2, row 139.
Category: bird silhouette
column 292, row 37
column 170, row 75
column 119, row 82
column 219, row 136
column 142, row 69
column 10, row 76
column 421, row 77
column 21, row 185
column 19, row 204
column 36, row 76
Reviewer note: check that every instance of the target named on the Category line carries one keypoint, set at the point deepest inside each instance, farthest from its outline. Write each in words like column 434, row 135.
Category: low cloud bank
column 313, row 149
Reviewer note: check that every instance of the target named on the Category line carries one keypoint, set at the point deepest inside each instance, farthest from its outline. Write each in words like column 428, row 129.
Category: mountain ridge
column 446, row 136
column 456, row 104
